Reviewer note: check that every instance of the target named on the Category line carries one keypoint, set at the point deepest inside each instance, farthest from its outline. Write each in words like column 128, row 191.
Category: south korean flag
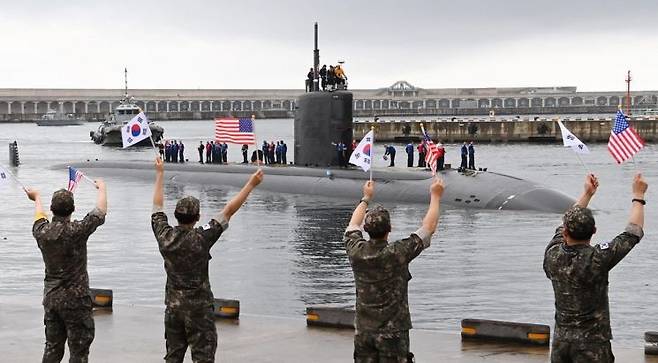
column 570, row 140
column 135, row 131
column 362, row 155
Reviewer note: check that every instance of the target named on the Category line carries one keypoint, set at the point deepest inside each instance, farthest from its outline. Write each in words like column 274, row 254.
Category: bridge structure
column 400, row 98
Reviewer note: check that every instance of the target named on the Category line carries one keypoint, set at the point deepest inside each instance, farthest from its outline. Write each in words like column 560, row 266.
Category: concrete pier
column 400, row 98
column 500, row 130
column 136, row 334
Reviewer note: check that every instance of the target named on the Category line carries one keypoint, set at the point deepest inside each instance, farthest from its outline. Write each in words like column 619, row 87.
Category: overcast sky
column 268, row 44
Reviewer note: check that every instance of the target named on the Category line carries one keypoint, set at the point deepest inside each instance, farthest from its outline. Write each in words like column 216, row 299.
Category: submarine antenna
column 316, row 61
column 125, row 81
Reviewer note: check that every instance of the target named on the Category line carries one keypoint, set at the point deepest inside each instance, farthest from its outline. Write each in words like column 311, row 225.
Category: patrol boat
column 109, row 132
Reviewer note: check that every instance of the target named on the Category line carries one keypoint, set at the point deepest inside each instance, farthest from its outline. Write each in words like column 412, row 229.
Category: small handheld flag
column 4, row 176
column 74, row 178
column 624, row 141
column 570, row 140
column 136, row 130
column 362, row 154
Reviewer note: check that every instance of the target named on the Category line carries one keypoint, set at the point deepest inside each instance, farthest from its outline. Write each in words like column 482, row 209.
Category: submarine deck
column 135, row 334
column 471, row 190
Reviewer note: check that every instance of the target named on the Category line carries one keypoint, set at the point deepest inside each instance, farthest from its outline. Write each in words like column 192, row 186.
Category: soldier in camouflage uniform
column 189, row 315
column 579, row 274
column 66, row 298
column 381, row 276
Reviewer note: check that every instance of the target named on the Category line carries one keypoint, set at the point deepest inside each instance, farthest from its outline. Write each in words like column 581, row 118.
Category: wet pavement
column 135, row 334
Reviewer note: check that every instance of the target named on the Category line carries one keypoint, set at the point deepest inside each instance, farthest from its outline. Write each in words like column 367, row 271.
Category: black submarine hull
column 481, row 190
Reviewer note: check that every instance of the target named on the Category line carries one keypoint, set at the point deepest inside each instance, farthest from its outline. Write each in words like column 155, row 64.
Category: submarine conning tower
column 322, row 120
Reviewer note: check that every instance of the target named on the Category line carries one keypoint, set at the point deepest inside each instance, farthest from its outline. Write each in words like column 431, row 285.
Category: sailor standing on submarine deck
column 381, row 276
column 185, row 249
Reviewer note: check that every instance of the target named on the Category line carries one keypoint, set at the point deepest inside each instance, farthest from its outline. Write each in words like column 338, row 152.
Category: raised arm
column 589, row 189
column 101, row 198
column 637, row 209
column 360, row 212
column 612, row 253
column 431, row 219
column 234, row 204
column 591, row 185
column 158, row 192
column 35, row 196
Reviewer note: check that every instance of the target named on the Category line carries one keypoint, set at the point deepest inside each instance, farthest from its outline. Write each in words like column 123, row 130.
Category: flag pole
column 84, row 176
column 372, row 149
column 157, row 151
column 253, row 127
column 15, row 178
column 583, row 163
column 422, row 130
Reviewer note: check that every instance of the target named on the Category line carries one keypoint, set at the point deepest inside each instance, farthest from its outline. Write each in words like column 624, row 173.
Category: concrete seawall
column 481, row 130
column 160, row 116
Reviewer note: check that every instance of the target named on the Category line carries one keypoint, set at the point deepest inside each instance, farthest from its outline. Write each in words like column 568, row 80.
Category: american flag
column 431, row 151
column 235, row 131
column 624, row 141
column 74, row 178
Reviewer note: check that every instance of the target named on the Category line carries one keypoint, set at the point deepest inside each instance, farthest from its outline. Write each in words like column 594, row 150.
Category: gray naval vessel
column 54, row 118
column 324, row 118
column 109, row 131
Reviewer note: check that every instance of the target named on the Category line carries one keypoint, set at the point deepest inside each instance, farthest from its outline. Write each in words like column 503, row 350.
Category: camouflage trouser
column 372, row 347
column 73, row 321
column 576, row 352
column 194, row 327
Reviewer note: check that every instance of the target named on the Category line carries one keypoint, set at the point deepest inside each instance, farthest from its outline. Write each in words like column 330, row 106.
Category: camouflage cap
column 377, row 222
column 188, row 206
column 579, row 223
column 62, row 203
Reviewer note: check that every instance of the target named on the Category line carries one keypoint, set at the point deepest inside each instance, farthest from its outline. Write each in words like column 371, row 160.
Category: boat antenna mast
column 628, row 94
column 125, row 82
column 316, row 62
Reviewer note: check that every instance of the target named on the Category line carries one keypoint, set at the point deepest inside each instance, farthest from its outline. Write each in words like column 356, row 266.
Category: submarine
column 324, row 118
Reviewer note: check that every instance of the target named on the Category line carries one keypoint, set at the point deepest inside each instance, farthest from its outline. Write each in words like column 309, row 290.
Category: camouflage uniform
column 66, row 299
column 381, row 276
column 579, row 275
column 189, row 314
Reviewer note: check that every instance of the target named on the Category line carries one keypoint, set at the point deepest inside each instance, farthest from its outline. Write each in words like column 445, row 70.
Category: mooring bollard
column 101, row 298
column 651, row 343
column 330, row 317
column 227, row 309
column 493, row 330
column 13, row 154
